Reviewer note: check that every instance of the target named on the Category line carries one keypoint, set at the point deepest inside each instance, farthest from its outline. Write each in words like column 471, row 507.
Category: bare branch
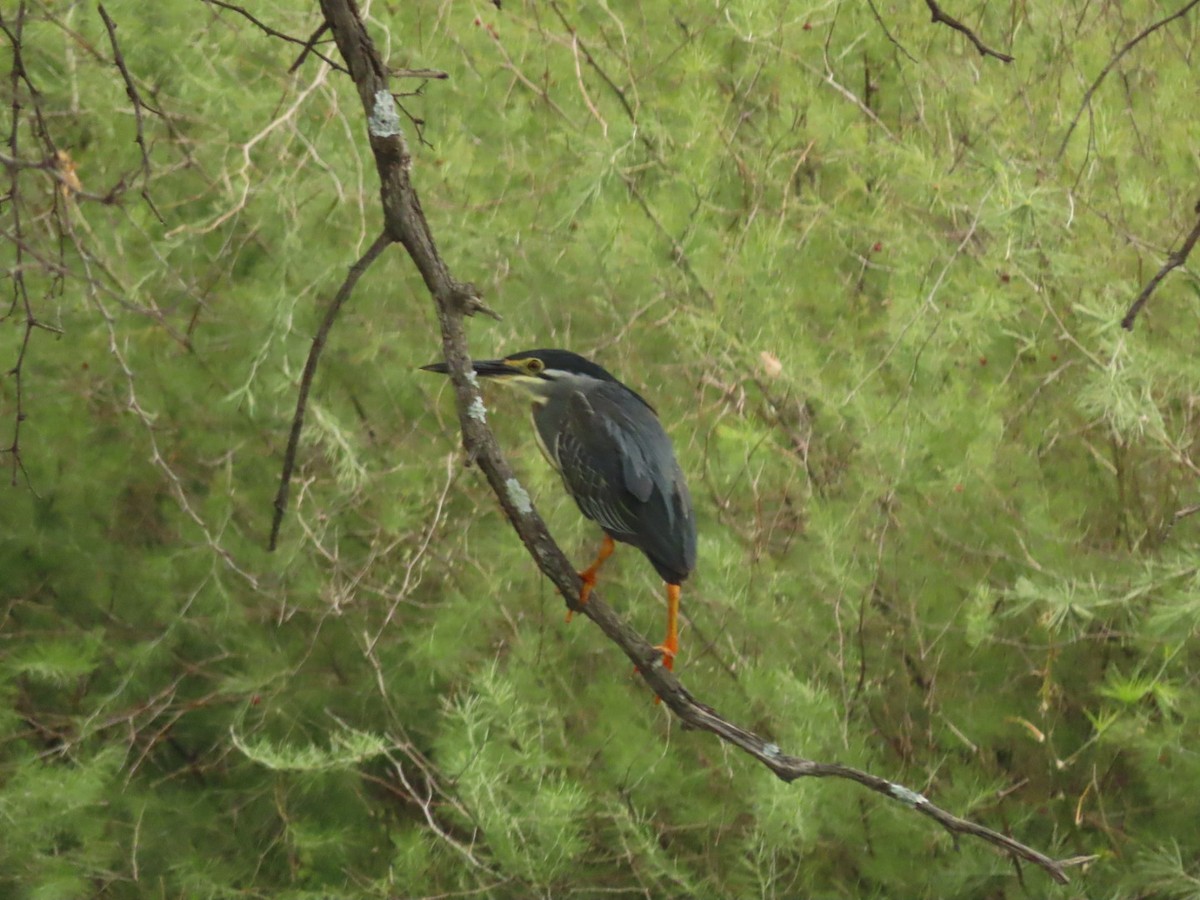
column 310, row 370
column 888, row 34
column 406, row 223
column 131, row 90
column 984, row 49
column 135, row 98
column 434, row 74
column 20, row 296
column 678, row 254
column 93, row 287
column 12, row 162
column 309, row 45
column 1129, row 45
column 1174, row 261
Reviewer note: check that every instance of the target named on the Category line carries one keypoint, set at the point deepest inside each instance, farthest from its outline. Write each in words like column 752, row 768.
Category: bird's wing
column 619, row 465
column 590, row 459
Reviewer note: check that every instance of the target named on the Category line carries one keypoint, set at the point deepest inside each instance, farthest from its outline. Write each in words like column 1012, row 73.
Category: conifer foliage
column 872, row 262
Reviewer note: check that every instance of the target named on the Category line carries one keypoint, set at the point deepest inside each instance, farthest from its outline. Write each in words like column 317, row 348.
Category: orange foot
column 670, row 645
column 668, row 660
column 668, row 650
column 589, row 582
column 591, row 574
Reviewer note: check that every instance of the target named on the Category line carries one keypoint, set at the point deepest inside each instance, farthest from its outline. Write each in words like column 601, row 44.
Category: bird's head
column 540, row 373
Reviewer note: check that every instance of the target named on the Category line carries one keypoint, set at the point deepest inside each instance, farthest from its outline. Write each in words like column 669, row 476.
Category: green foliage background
column 942, row 495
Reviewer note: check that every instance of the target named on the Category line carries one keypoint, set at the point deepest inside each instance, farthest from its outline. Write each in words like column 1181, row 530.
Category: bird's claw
column 668, row 662
column 668, row 656
column 589, row 581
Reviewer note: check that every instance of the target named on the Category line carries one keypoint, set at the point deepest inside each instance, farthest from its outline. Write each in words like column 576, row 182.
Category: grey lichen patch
column 477, row 410
column 771, row 751
column 519, row 496
column 384, row 121
column 906, row 796
column 473, row 378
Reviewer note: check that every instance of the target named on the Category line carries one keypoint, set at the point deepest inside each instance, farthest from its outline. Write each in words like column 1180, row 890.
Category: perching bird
column 615, row 460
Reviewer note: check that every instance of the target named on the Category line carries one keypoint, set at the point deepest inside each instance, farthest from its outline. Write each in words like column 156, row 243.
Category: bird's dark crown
column 565, row 361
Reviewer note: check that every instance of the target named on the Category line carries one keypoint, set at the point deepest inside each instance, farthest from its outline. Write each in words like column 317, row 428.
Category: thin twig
column 60, row 167
column 888, row 34
column 827, row 77
column 148, row 418
column 20, row 292
column 310, row 370
column 1174, row 261
column 984, row 50
column 432, row 74
column 135, row 98
column 20, row 298
column 454, row 299
column 1129, row 45
column 577, row 43
column 131, row 90
column 678, row 253
column 308, row 45
column 583, row 87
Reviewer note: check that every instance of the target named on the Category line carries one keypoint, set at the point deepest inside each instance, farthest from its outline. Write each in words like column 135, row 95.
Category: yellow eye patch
column 530, row 366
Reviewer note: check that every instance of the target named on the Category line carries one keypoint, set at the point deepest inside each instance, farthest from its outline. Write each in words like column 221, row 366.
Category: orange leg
column 591, row 573
column 670, row 646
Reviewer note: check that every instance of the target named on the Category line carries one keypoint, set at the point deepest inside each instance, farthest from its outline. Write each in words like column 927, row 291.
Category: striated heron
column 615, row 460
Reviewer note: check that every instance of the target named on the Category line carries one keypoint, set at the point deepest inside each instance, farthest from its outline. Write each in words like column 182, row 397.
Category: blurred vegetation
column 944, row 499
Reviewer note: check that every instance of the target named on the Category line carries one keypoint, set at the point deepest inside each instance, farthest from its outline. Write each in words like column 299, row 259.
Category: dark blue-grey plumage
column 618, row 464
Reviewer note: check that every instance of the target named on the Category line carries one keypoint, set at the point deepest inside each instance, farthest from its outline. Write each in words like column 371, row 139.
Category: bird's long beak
column 484, row 368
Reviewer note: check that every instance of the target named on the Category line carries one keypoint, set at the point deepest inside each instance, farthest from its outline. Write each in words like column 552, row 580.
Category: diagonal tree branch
column 405, row 222
column 309, row 45
column 310, row 370
column 888, row 34
column 1174, row 261
column 139, row 104
column 1116, row 58
column 984, row 50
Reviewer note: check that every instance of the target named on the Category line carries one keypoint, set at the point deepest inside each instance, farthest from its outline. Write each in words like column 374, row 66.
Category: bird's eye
column 534, row 366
